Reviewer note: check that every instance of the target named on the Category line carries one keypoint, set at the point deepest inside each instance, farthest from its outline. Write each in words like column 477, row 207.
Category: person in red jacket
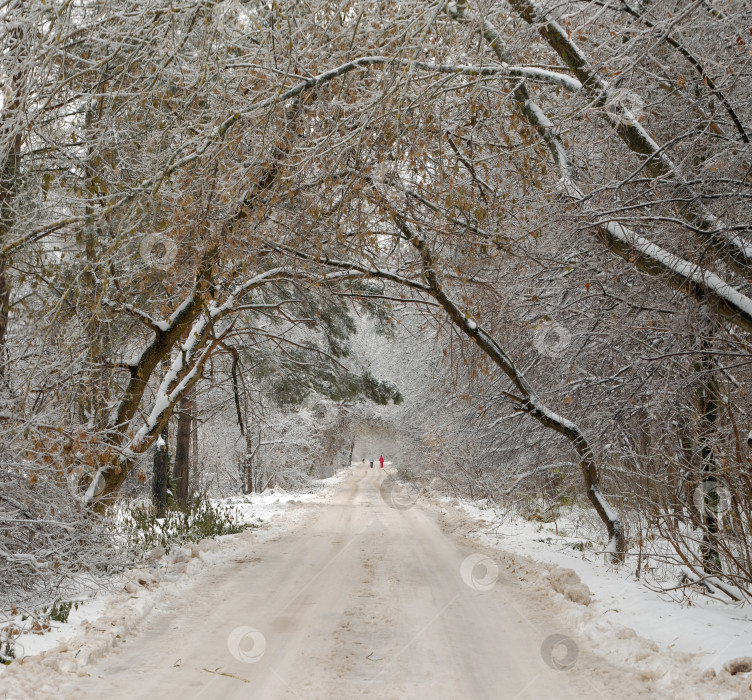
column 381, row 459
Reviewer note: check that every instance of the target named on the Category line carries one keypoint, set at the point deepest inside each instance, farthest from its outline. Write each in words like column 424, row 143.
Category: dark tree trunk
column 250, row 458
column 4, row 312
column 159, row 477
column 708, row 395
column 182, row 468
column 12, row 138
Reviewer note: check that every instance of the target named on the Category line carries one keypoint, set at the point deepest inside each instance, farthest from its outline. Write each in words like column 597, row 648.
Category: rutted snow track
column 359, row 600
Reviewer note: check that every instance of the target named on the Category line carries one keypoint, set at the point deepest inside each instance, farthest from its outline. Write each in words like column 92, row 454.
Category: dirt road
column 361, row 600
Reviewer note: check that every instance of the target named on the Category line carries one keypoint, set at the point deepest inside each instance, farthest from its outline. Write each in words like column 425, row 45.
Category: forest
column 511, row 241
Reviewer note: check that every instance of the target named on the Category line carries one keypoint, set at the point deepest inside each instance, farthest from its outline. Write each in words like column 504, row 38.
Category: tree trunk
column 12, row 140
column 194, row 451
column 4, row 312
column 160, row 473
column 708, row 401
column 182, row 469
column 251, row 476
column 94, row 388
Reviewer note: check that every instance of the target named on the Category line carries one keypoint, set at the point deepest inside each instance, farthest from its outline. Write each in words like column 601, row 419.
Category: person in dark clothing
column 371, row 462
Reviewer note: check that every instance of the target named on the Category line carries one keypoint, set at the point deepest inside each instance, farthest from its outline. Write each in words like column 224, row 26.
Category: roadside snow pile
column 568, row 583
column 672, row 640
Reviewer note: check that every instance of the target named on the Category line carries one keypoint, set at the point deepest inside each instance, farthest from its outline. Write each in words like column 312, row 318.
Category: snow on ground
column 265, row 508
column 103, row 619
column 692, row 629
column 366, row 596
column 676, row 642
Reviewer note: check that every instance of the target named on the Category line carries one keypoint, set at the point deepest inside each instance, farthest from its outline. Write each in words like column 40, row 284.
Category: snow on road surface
column 355, row 597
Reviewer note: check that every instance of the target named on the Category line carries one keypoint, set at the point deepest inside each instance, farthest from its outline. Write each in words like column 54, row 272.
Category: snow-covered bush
column 203, row 518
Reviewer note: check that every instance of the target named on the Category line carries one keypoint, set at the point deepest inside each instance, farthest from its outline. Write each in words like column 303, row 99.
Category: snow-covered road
column 360, row 599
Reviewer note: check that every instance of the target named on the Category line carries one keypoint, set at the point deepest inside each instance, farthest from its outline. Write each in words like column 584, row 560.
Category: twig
column 229, row 675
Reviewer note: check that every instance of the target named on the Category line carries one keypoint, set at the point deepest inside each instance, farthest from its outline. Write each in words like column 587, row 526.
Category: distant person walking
column 371, row 462
column 381, row 459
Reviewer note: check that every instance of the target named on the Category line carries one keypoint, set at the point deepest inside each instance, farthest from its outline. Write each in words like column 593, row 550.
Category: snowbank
column 676, row 640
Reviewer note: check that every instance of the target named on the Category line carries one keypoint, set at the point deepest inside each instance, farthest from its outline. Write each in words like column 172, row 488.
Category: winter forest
column 246, row 242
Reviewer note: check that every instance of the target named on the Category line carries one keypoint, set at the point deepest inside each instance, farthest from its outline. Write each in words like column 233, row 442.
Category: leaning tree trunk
column 529, row 399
